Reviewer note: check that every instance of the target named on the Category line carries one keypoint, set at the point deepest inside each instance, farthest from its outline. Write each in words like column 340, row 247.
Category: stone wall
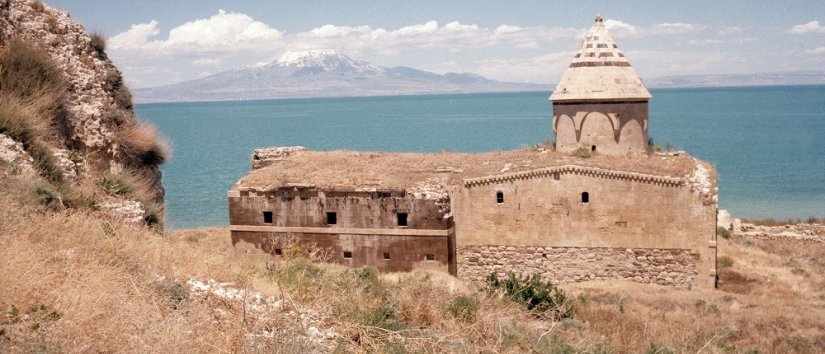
column 621, row 211
column 612, row 128
column 672, row 267
column 389, row 253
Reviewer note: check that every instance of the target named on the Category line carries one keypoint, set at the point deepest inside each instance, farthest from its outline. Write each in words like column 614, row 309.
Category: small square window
column 348, row 254
column 500, row 197
column 585, row 198
column 402, row 219
column 332, row 218
column 279, row 252
column 430, row 257
column 267, row 217
column 386, row 256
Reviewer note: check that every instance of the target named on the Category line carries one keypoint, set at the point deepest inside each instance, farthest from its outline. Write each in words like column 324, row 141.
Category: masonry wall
column 612, row 128
column 366, row 230
column 629, row 229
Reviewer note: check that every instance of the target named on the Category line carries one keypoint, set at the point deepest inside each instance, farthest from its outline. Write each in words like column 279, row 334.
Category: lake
column 768, row 143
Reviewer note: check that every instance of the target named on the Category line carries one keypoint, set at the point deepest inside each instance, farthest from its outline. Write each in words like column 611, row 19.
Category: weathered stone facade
column 671, row 267
column 617, row 212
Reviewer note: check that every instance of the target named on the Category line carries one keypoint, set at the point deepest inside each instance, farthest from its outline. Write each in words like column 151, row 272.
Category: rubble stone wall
column 618, row 213
column 671, row 267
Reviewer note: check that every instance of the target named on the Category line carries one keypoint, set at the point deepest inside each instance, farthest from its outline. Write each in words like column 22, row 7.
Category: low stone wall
column 672, row 267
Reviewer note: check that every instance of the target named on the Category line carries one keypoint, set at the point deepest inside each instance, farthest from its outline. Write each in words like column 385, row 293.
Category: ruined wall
column 388, row 253
column 613, row 128
column 642, row 214
column 366, row 229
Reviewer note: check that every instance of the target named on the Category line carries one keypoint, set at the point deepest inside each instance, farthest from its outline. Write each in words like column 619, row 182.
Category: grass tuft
column 38, row 6
column 463, row 308
column 98, row 43
column 539, row 296
column 143, row 146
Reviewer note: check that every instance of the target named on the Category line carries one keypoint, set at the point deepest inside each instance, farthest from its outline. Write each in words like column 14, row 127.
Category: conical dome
column 600, row 72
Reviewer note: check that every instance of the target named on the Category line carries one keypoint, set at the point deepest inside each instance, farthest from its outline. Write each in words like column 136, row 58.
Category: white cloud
column 138, row 36
column 675, row 28
column 816, row 51
column 810, row 27
column 705, row 42
column 621, row 29
column 545, row 68
column 726, row 31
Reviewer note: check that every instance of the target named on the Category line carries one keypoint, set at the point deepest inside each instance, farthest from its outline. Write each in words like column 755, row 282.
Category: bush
column 725, row 262
column 120, row 92
column 18, row 121
column 723, row 232
column 463, row 308
column 141, row 144
column 384, row 316
column 38, row 6
column 98, row 43
column 28, row 73
column 583, row 152
column 116, row 184
column 48, row 196
column 536, row 295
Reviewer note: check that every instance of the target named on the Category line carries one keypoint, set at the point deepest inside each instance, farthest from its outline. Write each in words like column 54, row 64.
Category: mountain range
column 324, row 73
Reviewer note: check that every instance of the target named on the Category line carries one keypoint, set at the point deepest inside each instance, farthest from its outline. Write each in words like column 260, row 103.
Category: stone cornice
column 577, row 170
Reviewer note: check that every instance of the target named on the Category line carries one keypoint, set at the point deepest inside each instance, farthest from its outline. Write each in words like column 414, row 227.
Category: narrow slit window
column 593, row 148
column 267, row 217
column 332, row 218
column 402, row 219
column 585, row 197
column 387, row 256
column 500, row 197
column 430, row 257
column 348, row 254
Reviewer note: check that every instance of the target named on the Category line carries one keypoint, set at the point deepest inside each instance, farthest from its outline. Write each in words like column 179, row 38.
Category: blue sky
column 159, row 42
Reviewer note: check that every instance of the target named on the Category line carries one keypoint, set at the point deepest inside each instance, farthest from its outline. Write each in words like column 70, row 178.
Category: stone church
column 596, row 205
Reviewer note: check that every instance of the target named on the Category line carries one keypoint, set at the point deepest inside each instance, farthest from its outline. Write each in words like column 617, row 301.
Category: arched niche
column 597, row 129
column 565, row 131
column 632, row 136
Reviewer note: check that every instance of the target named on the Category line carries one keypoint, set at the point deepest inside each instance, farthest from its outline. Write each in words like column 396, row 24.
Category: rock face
column 16, row 158
column 97, row 105
column 266, row 156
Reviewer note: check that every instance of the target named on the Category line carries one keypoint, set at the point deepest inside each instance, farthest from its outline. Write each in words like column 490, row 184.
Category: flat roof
column 356, row 170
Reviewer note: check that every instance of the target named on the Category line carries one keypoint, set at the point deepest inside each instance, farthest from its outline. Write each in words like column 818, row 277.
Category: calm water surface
column 767, row 143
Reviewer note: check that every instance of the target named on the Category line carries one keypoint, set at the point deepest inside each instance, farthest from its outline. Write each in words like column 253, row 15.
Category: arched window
column 500, row 197
column 585, row 197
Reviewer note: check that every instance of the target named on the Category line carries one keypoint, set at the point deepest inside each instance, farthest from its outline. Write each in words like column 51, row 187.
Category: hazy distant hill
column 756, row 79
column 324, row 74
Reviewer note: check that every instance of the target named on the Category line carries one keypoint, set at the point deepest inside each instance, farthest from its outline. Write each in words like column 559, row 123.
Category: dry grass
column 142, row 145
column 28, row 73
column 98, row 43
column 21, row 122
column 38, row 6
column 74, row 281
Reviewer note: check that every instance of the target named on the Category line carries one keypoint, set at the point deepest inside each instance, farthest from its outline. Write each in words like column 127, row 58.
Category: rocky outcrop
column 96, row 108
column 266, row 156
column 15, row 157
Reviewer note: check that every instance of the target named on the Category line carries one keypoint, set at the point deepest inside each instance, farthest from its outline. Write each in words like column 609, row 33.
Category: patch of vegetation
column 463, row 308
column 38, row 6
column 98, row 43
column 539, row 296
column 116, row 184
column 143, row 146
column 659, row 349
column 48, row 196
column 28, row 73
column 583, row 153
column 723, row 232
column 725, row 262
column 384, row 316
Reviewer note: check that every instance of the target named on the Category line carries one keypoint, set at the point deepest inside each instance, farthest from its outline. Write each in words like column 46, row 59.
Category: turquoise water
column 767, row 143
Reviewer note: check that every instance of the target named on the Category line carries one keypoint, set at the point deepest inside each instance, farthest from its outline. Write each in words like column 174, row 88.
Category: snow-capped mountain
column 323, row 73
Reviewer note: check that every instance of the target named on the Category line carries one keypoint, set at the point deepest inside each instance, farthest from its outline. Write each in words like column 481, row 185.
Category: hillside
column 735, row 80
column 67, row 120
column 323, row 74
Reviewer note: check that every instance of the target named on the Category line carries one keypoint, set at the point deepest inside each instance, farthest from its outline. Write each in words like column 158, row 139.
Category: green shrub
column 723, row 232
column 536, row 295
column 463, row 308
column 725, row 262
column 384, row 316
column 116, row 184
column 48, row 196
